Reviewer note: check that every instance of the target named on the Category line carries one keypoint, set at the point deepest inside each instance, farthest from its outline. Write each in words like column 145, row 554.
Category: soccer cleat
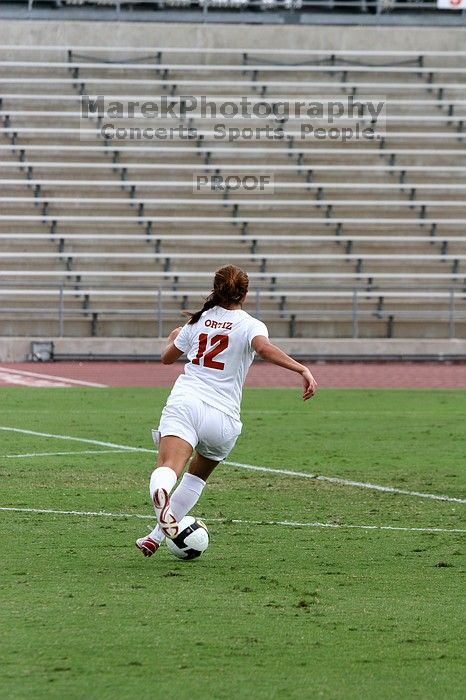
column 147, row 545
column 165, row 517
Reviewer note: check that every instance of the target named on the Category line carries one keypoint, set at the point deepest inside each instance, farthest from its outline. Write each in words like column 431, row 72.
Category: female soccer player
column 202, row 413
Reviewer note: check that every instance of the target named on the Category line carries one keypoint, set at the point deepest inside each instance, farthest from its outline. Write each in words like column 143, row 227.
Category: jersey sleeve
column 183, row 339
column 257, row 328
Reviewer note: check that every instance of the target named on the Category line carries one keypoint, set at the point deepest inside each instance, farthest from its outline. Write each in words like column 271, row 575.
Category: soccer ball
column 192, row 540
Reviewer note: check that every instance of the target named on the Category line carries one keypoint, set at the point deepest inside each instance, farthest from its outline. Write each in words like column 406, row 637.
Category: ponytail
column 209, row 303
column 230, row 286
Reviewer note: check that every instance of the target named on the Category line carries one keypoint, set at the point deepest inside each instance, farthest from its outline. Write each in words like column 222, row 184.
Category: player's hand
column 309, row 384
column 174, row 334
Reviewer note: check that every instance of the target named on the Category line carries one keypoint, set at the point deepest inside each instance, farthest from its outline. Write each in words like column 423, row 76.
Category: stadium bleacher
column 303, row 9
column 111, row 237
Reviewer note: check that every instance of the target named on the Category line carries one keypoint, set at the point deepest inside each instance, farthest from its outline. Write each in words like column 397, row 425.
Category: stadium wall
column 128, row 34
column 357, row 349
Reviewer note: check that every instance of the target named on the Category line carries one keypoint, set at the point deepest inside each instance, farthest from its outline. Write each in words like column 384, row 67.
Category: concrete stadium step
column 430, row 138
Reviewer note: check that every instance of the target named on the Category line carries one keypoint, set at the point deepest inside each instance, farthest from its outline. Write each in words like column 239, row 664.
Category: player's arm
column 171, row 353
column 268, row 351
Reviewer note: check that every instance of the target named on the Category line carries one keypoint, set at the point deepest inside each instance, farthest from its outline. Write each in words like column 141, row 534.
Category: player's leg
column 188, row 491
column 190, row 488
column 175, row 439
column 174, row 453
column 217, row 435
column 178, row 430
column 201, row 467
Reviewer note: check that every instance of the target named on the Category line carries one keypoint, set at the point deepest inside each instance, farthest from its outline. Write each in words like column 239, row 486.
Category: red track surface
column 339, row 375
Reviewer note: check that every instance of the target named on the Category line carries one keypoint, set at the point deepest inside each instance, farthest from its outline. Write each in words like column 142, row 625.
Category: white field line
column 51, row 377
column 349, row 482
column 65, row 454
column 284, row 523
column 252, row 467
column 14, row 379
column 76, row 439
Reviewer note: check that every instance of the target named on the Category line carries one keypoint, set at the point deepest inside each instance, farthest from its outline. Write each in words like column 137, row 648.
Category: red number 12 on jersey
column 220, row 342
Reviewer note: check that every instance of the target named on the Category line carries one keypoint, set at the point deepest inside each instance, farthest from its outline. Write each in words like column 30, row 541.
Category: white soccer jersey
column 219, row 354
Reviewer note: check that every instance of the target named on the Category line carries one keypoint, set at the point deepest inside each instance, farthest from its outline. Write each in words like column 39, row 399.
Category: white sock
column 186, row 495
column 162, row 478
column 184, row 498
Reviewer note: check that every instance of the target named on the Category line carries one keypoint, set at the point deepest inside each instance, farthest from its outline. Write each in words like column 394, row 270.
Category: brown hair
column 230, row 286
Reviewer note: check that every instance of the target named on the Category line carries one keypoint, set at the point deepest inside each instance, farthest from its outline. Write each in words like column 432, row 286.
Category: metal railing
column 362, row 305
column 378, row 6
column 264, row 7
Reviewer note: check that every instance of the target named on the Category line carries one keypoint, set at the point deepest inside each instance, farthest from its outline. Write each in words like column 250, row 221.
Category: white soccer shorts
column 211, row 432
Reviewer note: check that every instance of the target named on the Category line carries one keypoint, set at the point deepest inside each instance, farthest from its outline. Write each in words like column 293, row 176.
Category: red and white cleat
column 147, row 545
column 167, row 521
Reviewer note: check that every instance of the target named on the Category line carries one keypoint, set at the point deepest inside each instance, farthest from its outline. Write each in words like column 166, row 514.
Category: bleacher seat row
column 107, row 236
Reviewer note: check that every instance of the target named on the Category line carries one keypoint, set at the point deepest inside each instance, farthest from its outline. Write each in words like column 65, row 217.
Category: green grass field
column 270, row 610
